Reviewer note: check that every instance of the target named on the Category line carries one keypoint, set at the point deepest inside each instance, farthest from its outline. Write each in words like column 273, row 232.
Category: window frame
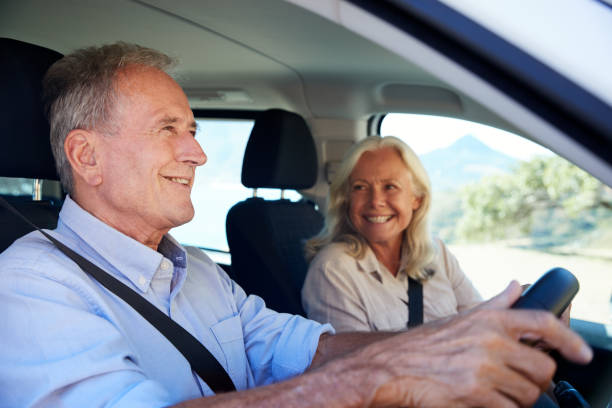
column 553, row 97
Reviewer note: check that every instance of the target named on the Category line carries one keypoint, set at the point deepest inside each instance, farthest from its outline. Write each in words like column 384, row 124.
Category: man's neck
column 129, row 225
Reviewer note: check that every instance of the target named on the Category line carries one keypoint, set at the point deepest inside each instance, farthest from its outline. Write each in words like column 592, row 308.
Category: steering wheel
column 554, row 292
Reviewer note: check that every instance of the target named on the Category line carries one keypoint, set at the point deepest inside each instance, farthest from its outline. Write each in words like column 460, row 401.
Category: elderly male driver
column 123, row 133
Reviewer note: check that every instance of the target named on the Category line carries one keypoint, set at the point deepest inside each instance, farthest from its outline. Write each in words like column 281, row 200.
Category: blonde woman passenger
column 376, row 237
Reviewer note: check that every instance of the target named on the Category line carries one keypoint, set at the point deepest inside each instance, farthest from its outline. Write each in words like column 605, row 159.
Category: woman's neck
column 389, row 254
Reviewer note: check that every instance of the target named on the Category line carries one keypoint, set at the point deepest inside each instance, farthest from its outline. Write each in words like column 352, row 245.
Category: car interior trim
column 556, row 99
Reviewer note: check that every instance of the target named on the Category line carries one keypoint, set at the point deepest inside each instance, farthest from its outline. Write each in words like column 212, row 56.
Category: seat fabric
column 43, row 214
column 266, row 238
column 267, row 246
column 26, row 151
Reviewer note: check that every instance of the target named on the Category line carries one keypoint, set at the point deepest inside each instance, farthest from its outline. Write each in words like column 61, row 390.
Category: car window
column 511, row 209
column 217, row 185
column 15, row 186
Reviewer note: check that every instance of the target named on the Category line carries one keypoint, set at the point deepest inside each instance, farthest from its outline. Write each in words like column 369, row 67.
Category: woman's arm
column 465, row 293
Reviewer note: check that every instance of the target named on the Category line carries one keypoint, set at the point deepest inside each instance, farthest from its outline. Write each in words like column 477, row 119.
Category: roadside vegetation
column 543, row 213
column 545, row 203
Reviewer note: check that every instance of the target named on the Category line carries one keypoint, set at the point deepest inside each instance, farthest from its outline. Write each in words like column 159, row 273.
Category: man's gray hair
column 79, row 92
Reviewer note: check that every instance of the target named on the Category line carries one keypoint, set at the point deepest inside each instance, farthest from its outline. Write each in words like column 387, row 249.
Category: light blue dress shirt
column 65, row 341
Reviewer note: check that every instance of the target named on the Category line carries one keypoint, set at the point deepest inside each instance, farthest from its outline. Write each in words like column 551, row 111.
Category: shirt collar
column 132, row 259
column 371, row 265
column 172, row 250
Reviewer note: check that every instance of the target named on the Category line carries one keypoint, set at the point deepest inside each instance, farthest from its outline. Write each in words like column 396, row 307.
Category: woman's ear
column 416, row 203
column 80, row 149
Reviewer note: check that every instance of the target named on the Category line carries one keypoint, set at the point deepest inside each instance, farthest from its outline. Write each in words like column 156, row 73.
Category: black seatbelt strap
column 415, row 303
column 200, row 359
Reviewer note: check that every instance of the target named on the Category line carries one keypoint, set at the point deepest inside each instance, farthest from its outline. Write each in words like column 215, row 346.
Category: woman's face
column 381, row 197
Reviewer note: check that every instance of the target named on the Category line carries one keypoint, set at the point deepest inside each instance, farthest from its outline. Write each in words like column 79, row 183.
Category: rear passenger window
column 15, row 186
column 217, row 185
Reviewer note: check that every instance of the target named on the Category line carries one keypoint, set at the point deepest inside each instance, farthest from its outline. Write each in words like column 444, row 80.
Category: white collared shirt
column 362, row 295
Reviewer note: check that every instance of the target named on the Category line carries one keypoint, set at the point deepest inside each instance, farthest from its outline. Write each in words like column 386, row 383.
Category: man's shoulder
column 27, row 248
column 196, row 253
column 35, row 271
column 201, row 266
column 35, row 254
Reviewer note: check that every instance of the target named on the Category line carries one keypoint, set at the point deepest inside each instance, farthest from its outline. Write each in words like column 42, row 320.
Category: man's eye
column 391, row 187
column 358, row 187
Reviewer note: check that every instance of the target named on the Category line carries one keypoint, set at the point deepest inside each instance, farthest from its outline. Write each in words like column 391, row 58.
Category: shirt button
column 165, row 265
column 142, row 281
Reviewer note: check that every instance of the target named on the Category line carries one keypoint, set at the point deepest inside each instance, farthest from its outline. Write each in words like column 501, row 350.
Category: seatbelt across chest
column 415, row 303
column 201, row 360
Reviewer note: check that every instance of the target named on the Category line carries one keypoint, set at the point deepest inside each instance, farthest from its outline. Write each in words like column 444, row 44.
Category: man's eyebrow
column 170, row 120
column 167, row 120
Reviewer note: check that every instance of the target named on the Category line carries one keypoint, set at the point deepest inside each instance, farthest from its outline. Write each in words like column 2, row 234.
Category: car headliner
column 241, row 54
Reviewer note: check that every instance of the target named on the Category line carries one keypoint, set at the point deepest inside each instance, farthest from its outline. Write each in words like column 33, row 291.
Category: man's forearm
column 342, row 383
column 477, row 350
column 334, row 346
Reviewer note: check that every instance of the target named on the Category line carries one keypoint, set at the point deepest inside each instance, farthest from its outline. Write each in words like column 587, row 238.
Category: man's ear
column 80, row 148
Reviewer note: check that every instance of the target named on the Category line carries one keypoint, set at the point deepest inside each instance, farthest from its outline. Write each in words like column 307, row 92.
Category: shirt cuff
column 297, row 347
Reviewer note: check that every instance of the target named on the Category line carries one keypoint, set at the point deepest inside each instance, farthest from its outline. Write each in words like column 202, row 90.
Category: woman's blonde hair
column 417, row 247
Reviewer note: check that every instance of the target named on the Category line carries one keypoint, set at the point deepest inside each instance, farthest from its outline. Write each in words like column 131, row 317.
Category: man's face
column 149, row 161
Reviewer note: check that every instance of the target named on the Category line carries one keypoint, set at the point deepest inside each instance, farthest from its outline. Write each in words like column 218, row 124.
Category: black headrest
column 26, row 151
column 280, row 152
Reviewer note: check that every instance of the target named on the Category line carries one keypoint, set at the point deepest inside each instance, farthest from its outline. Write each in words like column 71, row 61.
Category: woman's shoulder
column 439, row 247
column 332, row 266
column 334, row 259
column 441, row 254
column 333, row 252
column 444, row 260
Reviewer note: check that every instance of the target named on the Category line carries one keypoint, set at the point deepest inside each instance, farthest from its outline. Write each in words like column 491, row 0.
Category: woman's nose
column 377, row 198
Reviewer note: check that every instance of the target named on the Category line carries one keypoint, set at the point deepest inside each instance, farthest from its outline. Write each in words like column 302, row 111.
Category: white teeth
column 380, row 219
column 179, row 180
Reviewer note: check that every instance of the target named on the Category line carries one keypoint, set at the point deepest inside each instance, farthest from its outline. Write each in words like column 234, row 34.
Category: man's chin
column 183, row 217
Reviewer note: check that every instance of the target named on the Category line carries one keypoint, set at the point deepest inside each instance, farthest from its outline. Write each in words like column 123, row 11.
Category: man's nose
column 189, row 150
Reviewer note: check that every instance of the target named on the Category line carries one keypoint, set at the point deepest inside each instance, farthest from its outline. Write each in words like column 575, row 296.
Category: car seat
column 266, row 238
column 26, row 151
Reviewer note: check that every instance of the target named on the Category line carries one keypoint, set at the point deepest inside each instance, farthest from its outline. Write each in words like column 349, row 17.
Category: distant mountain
column 465, row 161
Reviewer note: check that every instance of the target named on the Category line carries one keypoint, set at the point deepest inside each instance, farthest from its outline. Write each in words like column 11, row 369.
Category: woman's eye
column 391, row 187
column 358, row 187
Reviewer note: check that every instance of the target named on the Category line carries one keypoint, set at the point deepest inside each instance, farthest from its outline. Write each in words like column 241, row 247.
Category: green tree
column 505, row 205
